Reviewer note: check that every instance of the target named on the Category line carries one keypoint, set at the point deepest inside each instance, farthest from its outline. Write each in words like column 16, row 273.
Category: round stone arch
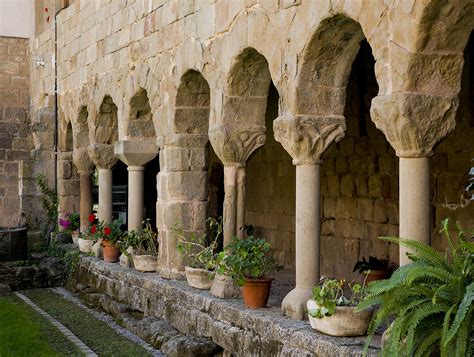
column 105, row 122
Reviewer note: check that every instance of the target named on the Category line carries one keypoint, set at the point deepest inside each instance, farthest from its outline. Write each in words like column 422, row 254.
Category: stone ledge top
column 267, row 323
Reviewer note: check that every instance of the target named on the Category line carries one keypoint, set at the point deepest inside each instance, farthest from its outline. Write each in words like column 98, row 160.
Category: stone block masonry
column 238, row 330
column 15, row 139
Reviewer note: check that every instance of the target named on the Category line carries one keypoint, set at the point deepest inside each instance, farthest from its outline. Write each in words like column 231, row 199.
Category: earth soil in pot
column 85, row 245
column 111, row 252
column 374, row 275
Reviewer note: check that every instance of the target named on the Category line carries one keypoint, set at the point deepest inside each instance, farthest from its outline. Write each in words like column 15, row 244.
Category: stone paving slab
column 237, row 329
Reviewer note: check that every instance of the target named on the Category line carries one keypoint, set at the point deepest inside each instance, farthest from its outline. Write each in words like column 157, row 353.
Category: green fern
column 430, row 300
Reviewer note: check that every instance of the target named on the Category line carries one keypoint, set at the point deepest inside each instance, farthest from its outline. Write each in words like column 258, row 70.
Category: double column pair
column 133, row 153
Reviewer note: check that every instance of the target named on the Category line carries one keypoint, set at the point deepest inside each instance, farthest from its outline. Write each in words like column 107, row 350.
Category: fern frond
column 463, row 337
column 445, row 329
column 423, row 252
column 428, row 344
column 464, row 307
column 429, row 274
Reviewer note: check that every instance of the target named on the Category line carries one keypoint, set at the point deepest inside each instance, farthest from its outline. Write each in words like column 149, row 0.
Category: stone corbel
column 102, row 155
column 413, row 122
column 234, row 145
column 305, row 138
column 136, row 152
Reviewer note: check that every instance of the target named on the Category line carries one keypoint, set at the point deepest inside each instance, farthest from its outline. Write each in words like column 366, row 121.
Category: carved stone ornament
column 102, row 155
column 413, row 123
column 234, row 144
column 305, row 138
column 82, row 161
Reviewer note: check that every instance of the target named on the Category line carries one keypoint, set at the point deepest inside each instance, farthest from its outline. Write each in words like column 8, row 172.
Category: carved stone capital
column 136, row 152
column 234, row 145
column 413, row 123
column 102, row 155
column 305, row 138
column 82, row 161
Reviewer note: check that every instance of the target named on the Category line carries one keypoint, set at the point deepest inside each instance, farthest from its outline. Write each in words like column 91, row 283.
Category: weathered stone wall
column 15, row 139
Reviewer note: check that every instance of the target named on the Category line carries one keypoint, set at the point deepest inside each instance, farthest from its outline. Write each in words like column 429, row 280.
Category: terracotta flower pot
column 145, row 263
column 85, row 245
column 344, row 322
column 374, row 275
column 111, row 252
column 199, row 278
column 256, row 292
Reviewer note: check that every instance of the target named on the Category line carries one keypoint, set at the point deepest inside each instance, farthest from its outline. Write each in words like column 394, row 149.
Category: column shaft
column 240, row 223
column 415, row 217
column 135, row 197
column 105, row 195
column 86, row 199
column 230, row 203
column 308, row 223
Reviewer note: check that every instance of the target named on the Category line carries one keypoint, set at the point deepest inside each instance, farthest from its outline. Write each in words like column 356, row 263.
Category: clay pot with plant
column 70, row 224
column 247, row 261
column 89, row 236
column 142, row 248
column 373, row 269
column 332, row 313
column 111, row 235
column 198, row 252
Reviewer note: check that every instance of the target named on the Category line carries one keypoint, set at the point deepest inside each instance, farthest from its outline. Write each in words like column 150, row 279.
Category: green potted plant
column 143, row 246
column 199, row 254
column 89, row 236
column 70, row 223
column 111, row 235
column 247, row 261
column 332, row 313
column 374, row 268
column 430, row 300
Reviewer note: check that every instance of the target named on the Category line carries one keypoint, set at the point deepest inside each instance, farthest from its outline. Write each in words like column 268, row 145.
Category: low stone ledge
column 237, row 329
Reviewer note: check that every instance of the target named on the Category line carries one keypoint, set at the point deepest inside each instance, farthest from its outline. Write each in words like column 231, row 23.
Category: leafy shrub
column 329, row 294
column 431, row 299
column 246, row 259
column 198, row 251
column 364, row 266
column 143, row 243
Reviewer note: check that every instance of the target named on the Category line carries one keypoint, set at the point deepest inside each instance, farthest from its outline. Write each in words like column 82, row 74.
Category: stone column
column 306, row 138
column 86, row 198
column 105, row 195
column 135, row 197
column 135, row 154
column 103, row 157
column 84, row 167
column 415, row 213
column 233, row 145
column 413, row 123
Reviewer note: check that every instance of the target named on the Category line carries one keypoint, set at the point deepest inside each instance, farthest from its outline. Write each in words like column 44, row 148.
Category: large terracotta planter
column 111, row 252
column 256, row 292
column 145, row 263
column 199, row 278
column 85, row 245
column 374, row 275
column 344, row 322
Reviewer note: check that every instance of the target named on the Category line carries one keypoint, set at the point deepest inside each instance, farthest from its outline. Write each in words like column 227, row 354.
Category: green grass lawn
column 25, row 333
column 96, row 334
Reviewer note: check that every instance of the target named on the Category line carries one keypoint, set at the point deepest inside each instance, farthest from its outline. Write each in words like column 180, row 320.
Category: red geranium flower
column 107, row 231
column 93, row 229
column 92, row 217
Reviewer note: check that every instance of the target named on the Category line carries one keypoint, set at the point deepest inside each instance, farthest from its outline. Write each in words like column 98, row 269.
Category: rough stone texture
column 228, row 323
column 15, row 136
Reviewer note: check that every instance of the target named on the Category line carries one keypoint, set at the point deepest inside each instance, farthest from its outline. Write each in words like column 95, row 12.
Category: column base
column 97, row 249
column 224, row 287
column 170, row 273
column 125, row 260
column 294, row 304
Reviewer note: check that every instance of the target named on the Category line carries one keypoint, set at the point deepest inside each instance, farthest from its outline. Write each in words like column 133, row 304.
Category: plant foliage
column 329, row 293
column 199, row 251
column 364, row 266
column 143, row 243
column 246, row 259
column 430, row 299
column 49, row 202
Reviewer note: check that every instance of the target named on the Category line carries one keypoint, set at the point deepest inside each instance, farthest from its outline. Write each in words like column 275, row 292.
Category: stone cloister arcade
column 325, row 125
